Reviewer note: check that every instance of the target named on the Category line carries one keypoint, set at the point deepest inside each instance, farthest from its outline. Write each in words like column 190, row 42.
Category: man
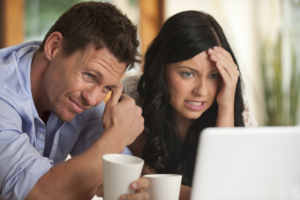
column 50, row 102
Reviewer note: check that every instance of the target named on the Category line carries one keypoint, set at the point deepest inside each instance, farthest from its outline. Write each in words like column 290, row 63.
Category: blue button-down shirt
column 28, row 148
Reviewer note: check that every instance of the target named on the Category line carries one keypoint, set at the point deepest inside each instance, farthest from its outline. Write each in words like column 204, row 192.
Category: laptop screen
column 261, row 163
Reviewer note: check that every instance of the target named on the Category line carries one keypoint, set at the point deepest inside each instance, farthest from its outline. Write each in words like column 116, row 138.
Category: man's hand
column 123, row 116
column 138, row 186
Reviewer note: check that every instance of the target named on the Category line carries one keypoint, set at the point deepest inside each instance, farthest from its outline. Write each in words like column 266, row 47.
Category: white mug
column 164, row 186
column 119, row 171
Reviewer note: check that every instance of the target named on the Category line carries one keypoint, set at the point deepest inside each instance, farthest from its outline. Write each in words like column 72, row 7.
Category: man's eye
column 106, row 89
column 214, row 76
column 89, row 76
column 187, row 74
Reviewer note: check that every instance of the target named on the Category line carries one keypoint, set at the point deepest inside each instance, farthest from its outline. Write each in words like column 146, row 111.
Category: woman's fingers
column 224, row 61
column 223, row 72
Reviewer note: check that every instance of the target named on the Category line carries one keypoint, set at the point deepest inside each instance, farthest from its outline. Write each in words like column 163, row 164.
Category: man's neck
column 45, row 116
column 38, row 88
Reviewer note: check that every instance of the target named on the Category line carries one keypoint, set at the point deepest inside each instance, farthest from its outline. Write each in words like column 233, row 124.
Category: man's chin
column 65, row 117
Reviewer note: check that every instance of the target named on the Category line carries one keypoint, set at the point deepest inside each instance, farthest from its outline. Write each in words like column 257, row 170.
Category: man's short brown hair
column 101, row 24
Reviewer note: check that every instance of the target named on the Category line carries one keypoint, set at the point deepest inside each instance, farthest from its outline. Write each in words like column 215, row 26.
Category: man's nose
column 92, row 96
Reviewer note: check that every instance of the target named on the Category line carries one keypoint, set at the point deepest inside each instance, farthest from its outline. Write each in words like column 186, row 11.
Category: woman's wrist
column 226, row 109
column 225, row 116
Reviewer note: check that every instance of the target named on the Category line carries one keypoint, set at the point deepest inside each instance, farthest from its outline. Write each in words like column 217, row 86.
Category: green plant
column 282, row 105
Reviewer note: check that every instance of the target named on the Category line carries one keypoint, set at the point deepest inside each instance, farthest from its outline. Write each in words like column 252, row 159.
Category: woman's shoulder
column 130, row 83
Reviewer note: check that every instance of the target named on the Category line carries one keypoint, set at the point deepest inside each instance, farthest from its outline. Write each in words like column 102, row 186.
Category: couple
column 51, row 97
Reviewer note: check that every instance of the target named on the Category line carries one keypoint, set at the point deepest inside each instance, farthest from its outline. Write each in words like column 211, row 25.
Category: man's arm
column 21, row 165
column 79, row 177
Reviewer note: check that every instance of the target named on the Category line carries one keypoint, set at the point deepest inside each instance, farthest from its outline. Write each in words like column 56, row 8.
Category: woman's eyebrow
column 214, row 70
column 188, row 68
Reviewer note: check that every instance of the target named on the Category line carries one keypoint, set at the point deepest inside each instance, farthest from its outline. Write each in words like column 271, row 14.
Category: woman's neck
column 183, row 125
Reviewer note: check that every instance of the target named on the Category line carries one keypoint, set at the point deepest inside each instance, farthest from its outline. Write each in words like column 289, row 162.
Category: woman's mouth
column 195, row 105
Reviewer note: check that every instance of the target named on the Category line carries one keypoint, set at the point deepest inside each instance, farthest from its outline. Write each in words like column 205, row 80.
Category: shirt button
column 41, row 135
column 40, row 151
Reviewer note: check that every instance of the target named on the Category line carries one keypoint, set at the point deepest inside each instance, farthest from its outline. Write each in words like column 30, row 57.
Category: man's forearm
column 79, row 177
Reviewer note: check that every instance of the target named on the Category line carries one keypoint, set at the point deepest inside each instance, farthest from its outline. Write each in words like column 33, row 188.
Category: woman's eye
column 214, row 76
column 187, row 74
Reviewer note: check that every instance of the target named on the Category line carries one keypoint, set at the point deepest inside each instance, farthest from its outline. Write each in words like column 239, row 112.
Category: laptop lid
column 261, row 163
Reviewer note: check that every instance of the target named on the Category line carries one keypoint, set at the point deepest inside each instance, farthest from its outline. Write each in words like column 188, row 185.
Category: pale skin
column 209, row 76
column 68, row 86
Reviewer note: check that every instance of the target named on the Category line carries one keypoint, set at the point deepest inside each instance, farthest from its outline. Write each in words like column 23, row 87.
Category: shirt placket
column 40, row 135
column 55, row 142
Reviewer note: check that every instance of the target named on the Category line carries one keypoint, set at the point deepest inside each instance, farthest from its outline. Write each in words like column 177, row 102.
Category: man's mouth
column 77, row 107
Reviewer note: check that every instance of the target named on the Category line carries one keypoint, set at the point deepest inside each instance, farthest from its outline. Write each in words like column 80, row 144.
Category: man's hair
column 101, row 24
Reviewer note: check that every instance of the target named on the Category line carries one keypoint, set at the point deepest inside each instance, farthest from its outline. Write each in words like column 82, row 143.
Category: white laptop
column 260, row 163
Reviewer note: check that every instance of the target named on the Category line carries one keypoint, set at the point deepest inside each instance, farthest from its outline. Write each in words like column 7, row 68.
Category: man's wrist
column 113, row 140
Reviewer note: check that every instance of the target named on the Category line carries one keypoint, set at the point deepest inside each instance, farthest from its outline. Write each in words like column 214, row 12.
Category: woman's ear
column 52, row 44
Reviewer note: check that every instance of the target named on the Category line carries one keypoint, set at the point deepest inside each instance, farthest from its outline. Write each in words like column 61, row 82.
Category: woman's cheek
column 214, row 89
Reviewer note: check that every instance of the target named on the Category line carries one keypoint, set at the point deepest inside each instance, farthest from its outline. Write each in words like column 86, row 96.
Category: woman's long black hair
column 182, row 36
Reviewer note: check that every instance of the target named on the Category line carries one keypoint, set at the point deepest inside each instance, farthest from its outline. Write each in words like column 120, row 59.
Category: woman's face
column 193, row 85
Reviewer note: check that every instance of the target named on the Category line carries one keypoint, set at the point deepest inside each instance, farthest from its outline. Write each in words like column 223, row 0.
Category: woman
column 191, row 81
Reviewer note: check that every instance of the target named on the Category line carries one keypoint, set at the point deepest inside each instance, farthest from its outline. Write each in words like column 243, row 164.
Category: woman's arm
column 230, row 74
column 185, row 192
column 225, row 117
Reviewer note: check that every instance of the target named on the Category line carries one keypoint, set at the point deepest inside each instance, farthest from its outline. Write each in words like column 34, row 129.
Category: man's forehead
column 104, row 54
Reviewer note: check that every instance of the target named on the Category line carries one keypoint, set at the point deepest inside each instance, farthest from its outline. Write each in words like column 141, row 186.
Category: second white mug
column 164, row 186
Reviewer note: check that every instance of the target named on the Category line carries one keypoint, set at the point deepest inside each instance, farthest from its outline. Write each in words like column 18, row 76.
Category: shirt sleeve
column 20, row 164
column 91, row 132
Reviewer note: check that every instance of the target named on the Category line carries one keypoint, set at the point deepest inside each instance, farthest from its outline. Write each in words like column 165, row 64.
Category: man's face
column 81, row 81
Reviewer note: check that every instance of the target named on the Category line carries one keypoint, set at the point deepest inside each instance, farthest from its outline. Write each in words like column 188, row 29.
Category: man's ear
column 53, row 42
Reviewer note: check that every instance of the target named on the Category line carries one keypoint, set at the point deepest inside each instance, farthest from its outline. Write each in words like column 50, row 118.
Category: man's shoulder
column 15, row 88
column 6, row 52
column 11, row 58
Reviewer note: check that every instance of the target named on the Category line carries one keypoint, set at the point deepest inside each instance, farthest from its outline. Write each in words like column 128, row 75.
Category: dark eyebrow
column 189, row 68
column 100, row 75
column 214, row 70
column 113, row 87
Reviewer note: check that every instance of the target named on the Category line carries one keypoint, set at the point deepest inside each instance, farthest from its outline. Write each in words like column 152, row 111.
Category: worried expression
column 193, row 85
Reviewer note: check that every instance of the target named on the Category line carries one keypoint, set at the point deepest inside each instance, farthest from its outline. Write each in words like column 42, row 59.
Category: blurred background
column 264, row 35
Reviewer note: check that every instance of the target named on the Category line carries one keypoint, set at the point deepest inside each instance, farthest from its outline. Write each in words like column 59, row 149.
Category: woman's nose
column 200, row 87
